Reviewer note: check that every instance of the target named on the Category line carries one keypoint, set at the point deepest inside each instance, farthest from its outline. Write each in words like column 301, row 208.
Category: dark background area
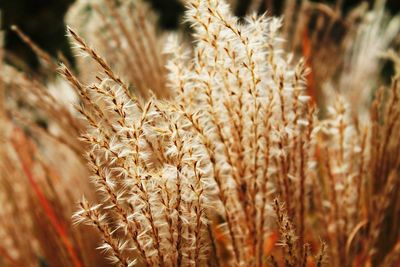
column 43, row 21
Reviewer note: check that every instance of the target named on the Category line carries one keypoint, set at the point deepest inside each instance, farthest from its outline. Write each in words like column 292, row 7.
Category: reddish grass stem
column 59, row 228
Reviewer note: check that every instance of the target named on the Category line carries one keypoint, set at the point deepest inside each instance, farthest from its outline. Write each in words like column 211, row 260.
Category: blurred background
column 42, row 21
column 351, row 48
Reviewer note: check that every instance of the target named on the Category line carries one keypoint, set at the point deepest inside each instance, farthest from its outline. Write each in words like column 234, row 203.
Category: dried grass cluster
column 222, row 158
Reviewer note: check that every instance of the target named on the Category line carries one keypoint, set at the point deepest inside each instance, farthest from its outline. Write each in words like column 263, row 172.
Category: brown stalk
column 120, row 22
column 58, row 226
column 10, row 259
column 125, row 57
column 210, row 148
column 265, row 178
column 35, row 48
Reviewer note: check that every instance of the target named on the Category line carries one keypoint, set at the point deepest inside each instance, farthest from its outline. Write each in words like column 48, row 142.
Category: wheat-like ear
column 83, row 47
column 90, row 215
column 321, row 257
column 288, row 235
